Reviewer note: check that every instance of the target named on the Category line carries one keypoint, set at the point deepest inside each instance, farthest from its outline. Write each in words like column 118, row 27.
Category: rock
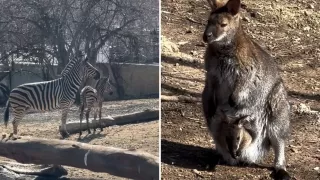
column 246, row 19
column 316, row 168
column 307, row 28
column 307, row 13
column 311, row 6
column 294, row 150
column 188, row 31
column 193, row 53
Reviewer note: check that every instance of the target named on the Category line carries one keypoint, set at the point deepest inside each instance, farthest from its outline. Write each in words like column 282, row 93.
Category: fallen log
column 137, row 117
column 13, row 170
column 115, row 161
column 180, row 99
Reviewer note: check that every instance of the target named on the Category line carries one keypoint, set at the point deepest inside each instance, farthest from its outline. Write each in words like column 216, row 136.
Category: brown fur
column 233, row 136
column 243, row 78
column 215, row 4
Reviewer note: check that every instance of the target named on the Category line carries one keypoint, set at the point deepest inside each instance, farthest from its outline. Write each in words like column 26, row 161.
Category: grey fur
column 243, row 79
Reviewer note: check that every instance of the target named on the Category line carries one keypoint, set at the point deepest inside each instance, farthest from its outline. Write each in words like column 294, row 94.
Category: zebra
column 92, row 98
column 49, row 95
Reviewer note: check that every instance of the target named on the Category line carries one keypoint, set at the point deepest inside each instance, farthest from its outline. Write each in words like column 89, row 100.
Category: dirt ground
column 290, row 31
column 142, row 136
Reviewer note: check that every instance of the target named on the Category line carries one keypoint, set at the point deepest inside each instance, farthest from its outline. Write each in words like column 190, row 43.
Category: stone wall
column 135, row 80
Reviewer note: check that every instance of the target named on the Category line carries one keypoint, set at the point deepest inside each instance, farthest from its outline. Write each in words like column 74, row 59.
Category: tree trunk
column 180, row 99
column 137, row 117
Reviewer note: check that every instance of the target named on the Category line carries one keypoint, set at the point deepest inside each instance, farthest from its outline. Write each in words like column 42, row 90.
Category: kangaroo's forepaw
column 282, row 174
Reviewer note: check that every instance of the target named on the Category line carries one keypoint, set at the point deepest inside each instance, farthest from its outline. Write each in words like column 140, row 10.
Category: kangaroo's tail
column 6, row 114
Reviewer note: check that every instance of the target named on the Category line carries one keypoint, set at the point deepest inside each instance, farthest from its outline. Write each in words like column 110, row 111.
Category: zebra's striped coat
column 49, row 95
column 92, row 98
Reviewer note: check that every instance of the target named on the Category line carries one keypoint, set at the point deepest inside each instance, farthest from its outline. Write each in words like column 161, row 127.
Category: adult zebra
column 92, row 98
column 49, row 95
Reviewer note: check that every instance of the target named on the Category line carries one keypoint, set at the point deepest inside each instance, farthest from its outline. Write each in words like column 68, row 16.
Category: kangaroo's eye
column 223, row 25
column 238, row 138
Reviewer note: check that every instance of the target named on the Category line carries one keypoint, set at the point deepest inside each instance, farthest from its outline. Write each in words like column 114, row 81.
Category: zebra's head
column 89, row 71
column 104, row 84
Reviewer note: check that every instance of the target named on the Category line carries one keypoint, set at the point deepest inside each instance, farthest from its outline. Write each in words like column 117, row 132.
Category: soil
column 290, row 32
column 142, row 136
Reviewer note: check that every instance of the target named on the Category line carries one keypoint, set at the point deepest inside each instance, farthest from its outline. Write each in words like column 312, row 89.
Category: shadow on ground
column 89, row 137
column 188, row 156
column 194, row 157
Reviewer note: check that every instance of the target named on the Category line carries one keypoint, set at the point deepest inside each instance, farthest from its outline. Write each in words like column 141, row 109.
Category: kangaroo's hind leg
column 278, row 130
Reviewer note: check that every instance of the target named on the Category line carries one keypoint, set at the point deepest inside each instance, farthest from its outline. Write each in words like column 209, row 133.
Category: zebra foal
column 49, row 95
column 92, row 99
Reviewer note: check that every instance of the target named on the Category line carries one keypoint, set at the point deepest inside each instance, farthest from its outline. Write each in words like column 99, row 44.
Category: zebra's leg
column 100, row 107
column 94, row 119
column 87, row 117
column 18, row 114
column 81, row 117
column 63, row 131
column 15, row 124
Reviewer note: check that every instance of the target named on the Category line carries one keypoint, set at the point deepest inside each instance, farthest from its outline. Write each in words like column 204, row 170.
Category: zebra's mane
column 100, row 81
column 69, row 66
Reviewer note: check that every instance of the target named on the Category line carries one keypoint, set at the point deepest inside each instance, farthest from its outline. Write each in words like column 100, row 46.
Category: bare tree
column 53, row 31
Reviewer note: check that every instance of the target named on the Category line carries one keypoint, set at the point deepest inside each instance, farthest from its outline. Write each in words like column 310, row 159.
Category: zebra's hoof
column 64, row 134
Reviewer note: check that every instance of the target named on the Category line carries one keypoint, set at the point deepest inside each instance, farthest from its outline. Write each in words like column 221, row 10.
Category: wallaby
column 231, row 137
column 242, row 77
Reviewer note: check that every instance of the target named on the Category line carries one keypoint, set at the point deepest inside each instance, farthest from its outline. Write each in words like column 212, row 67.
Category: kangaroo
column 232, row 136
column 243, row 77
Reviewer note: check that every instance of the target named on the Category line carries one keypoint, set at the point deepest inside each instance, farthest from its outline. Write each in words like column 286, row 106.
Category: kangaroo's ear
column 216, row 4
column 211, row 4
column 225, row 117
column 243, row 121
column 233, row 7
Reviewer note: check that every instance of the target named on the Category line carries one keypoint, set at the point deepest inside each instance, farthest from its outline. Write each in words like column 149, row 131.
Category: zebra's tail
column 6, row 114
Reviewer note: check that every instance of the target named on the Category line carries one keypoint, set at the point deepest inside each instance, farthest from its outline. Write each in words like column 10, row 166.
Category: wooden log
column 14, row 170
column 180, row 99
column 137, row 117
column 115, row 161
